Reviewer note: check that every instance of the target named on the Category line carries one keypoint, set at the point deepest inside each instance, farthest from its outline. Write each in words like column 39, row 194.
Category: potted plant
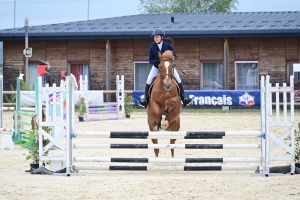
column 30, row 141
column 297, row 149
column 33, row 153
column 81, row 109
column 128, row 105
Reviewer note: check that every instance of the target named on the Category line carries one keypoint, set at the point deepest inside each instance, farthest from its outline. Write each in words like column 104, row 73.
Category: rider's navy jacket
column 153, row 53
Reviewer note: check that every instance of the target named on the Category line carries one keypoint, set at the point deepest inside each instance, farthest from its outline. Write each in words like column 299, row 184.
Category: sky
column 42, row 12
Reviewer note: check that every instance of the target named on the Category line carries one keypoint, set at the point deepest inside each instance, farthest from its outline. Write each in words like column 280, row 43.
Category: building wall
column 98, row 64
column 188, row 61
column 272, row 54
column 13, row 61
column 56, row 53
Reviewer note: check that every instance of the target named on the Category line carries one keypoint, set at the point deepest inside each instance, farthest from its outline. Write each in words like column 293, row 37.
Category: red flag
column 42, row 69
column 62, row 74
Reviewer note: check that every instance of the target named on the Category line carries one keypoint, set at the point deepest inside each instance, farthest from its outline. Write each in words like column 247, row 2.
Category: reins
column 174, row 66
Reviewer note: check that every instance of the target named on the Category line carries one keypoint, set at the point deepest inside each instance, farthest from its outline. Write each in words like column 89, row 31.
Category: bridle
column 171, row 75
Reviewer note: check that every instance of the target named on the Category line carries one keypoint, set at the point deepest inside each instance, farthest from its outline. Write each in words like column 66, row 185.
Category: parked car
column 212, row 83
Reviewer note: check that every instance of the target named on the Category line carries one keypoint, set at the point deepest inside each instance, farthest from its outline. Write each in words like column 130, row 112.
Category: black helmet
column 158, row 31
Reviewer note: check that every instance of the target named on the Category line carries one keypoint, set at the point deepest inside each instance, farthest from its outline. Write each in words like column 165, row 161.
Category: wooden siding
column 13, row 60
column 97, row 65
column 141, row 49
column 272, row 58
column 245, row 49
column 211, row 49
column 188, row 61
column 291, row 48
column 122, row 62
column 78, row 50
column 56, row 52
column 38, row 50
column 271, row 53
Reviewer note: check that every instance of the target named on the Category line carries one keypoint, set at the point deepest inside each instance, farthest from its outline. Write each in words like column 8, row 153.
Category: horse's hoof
column 164, row 127
column 155, row 128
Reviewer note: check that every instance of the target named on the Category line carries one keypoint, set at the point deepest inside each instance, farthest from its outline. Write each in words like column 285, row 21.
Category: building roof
column 185, row 25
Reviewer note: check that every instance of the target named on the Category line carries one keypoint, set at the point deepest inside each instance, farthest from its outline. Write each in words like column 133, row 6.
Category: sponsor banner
column 217, row 97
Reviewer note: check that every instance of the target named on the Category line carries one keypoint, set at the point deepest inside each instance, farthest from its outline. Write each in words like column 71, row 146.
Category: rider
column 161, row 44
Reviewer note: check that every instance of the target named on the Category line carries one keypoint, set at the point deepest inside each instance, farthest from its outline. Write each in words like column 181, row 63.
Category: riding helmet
column 158, row 31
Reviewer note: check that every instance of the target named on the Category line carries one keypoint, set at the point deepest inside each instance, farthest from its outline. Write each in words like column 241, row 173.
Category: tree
column 186, row 6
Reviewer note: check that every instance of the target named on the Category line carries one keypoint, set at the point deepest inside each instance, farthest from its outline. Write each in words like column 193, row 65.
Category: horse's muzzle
column 167, row 86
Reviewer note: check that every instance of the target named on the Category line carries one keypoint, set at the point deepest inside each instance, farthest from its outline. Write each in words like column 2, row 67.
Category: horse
column 164, row 107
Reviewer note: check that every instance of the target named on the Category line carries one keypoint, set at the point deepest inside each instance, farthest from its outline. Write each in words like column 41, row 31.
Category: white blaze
column 167, row 65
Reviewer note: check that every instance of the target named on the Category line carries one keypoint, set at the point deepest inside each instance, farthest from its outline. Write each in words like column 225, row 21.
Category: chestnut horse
column 164, row 107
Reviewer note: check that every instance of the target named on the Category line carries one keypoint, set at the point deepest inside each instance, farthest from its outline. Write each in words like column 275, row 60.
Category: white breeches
column 154, row 71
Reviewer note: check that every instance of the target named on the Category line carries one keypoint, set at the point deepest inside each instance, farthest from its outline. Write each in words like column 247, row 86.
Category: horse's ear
column 159, row 55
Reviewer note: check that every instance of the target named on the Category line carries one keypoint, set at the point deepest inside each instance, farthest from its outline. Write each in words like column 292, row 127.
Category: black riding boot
column 186, row 101
column 144, row 102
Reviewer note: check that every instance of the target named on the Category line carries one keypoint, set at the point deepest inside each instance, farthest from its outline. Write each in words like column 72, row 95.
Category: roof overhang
column 145, row 34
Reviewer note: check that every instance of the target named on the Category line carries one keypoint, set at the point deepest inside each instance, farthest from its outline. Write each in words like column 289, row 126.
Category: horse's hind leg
column 164, row 121
column 172, row 141
column 156, row 151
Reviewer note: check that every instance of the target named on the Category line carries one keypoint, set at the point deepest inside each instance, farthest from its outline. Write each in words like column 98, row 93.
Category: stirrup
column 187, row 101
column 143, row 103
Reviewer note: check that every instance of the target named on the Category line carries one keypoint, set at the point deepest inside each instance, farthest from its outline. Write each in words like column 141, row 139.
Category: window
column 1, row 58
column 32, row 73
column 290, row 71
column 246, row 75
column 141, row 71
column 80, row 69
column 212, row 76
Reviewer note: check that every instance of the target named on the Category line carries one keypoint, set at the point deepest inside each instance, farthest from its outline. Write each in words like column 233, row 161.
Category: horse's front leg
column 154, row 111
column 170, row 104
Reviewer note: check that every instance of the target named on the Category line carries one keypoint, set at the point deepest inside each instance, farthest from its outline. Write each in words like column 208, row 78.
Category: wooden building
column 215, row 50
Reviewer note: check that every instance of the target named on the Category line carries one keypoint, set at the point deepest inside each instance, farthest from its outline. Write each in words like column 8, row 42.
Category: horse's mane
column 168, row 55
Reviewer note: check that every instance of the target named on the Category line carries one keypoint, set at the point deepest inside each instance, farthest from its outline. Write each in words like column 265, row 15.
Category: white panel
column 296, row 67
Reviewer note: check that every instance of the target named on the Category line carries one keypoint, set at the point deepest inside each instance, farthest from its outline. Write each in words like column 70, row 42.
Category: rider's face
column 157, row 39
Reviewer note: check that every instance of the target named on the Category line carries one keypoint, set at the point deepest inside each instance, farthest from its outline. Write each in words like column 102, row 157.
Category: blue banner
column 217, row 97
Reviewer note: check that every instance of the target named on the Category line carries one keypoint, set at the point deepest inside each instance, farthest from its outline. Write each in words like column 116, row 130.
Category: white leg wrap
column 164, row 123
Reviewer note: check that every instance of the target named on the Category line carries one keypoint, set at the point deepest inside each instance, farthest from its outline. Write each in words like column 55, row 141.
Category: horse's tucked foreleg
column 154, row 116
column 164, row 121
column 174, row 107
